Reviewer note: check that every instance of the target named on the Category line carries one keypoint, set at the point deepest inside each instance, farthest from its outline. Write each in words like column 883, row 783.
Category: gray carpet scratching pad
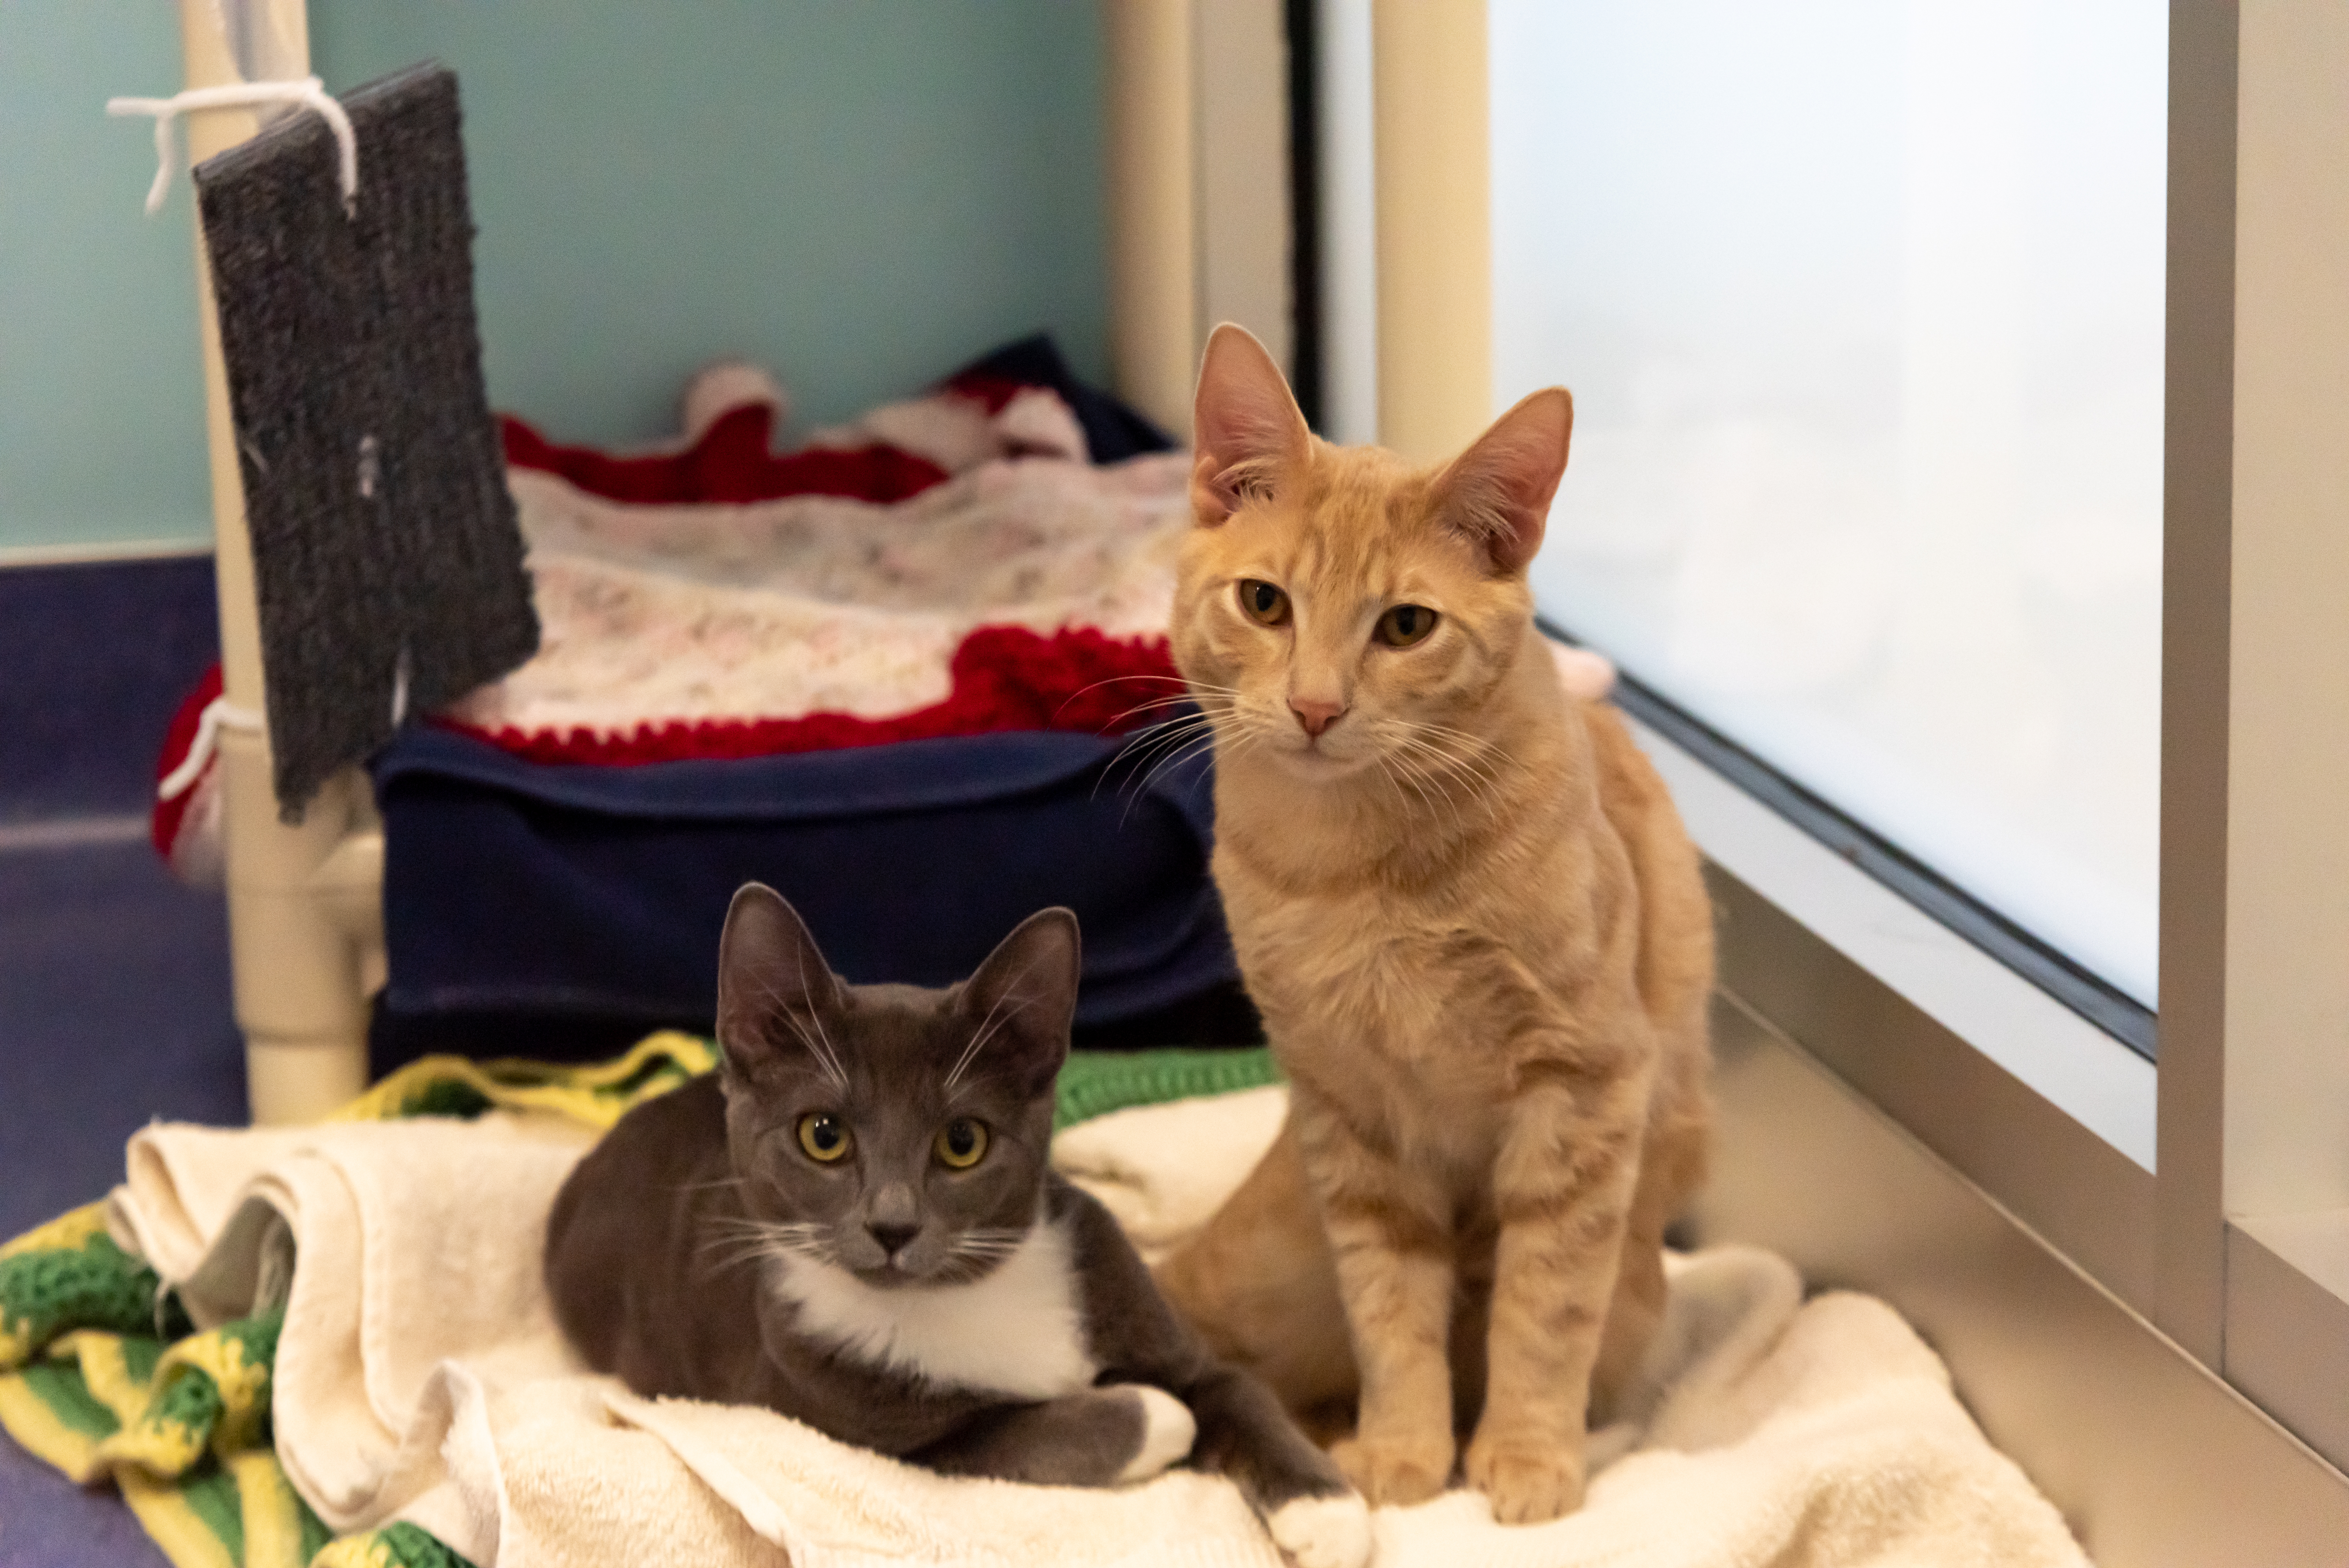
column 386, row 553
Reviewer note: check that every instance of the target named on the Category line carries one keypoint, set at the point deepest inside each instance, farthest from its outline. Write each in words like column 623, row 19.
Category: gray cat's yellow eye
column 961, row 1143
column 824, row 1137
column 1262, row 603
column 1404, row 624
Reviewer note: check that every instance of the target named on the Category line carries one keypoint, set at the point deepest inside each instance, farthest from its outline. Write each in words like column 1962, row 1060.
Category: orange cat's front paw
column 1388, row 1469
column 1526, row 1482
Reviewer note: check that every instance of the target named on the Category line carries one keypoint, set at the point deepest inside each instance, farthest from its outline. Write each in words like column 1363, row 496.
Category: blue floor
column 114, row 1010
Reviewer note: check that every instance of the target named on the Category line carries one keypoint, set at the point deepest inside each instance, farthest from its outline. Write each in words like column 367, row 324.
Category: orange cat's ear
column 1245, row 426
column 1498, row 491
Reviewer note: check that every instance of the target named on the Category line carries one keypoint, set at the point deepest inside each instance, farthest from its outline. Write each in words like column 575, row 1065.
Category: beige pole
column 1154, row 331
column 304, row 903
column 1434, row 224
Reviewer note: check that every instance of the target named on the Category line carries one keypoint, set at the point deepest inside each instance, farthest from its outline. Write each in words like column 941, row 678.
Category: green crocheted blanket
column 103, row 1376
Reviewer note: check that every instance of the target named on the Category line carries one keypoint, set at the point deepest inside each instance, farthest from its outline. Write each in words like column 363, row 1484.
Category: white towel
column 394, row 1247
column 420, row 1376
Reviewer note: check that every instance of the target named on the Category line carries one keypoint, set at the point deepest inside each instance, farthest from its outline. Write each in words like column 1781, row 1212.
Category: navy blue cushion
column 516, row 887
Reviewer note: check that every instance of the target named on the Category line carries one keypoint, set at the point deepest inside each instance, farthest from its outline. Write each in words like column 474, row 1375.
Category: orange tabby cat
column 1475, row 926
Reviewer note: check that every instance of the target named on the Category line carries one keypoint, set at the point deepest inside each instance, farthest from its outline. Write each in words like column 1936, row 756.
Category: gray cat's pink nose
column 1315, row 717
column 893, row 1237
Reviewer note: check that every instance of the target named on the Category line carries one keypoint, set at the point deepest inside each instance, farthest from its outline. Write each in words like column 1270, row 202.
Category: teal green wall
column 101, row 390
column 857, row 194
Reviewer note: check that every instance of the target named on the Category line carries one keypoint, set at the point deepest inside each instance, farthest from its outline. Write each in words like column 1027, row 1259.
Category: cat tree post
column 1153, row 275
column 305, row 904
column 1434, row 224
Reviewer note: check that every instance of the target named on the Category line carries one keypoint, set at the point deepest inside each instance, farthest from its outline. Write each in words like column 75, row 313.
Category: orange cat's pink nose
column 1315, row 717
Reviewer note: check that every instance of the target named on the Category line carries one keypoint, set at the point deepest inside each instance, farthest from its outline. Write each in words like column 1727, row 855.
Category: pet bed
column 906, row 714
column 348, row 1291
column 896, row 670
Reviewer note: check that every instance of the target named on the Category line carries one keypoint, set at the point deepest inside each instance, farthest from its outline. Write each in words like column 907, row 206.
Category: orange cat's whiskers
column 1196, row 746
column 1114, row 680
column 1161, row 733
column 1423, row 780
column 1188, row 696
column 1472, row 772
column 1466, row 751
column 1477, row 743
column 1183, row 701
column 1172, row 735
column 1178, row 739
column 1448, row 770
column 1402, row 739
column 1223, row 734
column 1386, row 771
column 1247, row 740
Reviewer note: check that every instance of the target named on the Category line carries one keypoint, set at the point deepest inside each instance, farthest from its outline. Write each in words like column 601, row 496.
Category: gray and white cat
column 854, row 1223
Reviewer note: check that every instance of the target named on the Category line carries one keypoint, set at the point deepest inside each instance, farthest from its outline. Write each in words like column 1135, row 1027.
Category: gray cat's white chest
column 1019, row 1331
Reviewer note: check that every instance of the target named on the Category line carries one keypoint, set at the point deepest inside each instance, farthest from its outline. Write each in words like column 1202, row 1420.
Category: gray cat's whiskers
column 988, row 1242
column 744, row 1241
column 820, row 1046
column 977, row 1251
column 816, row 1048
column 985, row 1032
column 816, row 1017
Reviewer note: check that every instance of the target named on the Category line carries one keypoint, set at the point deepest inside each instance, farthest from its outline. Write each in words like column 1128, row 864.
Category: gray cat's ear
column 1498, row 491
column 1246, row 429
column 771, row 981
column 1018, row 1004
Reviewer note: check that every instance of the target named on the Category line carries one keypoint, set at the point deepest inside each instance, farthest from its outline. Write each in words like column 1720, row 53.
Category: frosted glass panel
column 1861, row 306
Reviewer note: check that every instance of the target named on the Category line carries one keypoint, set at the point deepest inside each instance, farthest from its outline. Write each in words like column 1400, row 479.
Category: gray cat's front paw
column 1168, row 1430
column 1332, row 1531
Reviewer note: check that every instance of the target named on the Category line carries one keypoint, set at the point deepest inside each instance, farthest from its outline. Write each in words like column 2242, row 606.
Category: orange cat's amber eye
column 1404, row 624
column 824, row 1137
column 1264, row 603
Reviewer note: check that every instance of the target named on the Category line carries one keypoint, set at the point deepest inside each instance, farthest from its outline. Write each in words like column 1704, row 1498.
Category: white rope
column 219, row 714
column 309, row 92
